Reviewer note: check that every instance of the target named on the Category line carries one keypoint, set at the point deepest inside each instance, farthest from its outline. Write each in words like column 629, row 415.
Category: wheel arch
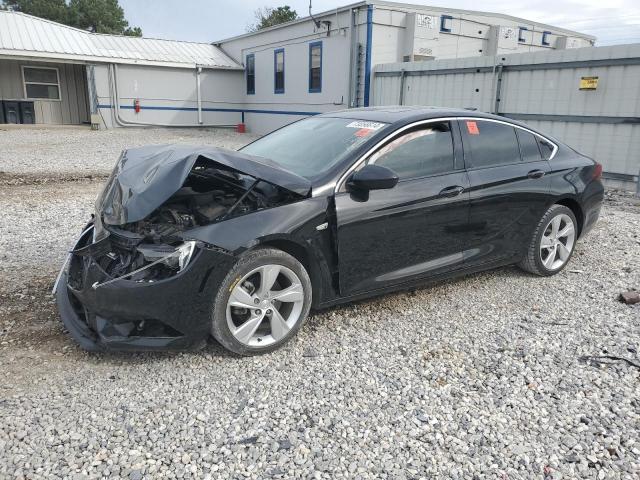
column 308, row 260
column 573, row 205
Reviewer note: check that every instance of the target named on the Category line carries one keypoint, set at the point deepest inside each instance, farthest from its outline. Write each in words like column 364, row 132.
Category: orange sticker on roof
column 363, row 132
column 472, row 128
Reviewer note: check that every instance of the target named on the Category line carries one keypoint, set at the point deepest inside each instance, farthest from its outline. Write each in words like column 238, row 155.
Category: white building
column 325, row 62
column 55, row 74
column 265, row 79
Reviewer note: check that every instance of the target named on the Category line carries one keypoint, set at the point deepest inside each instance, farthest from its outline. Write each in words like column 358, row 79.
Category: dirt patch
column 45, row 178
column 29, row 319
column 622, row 200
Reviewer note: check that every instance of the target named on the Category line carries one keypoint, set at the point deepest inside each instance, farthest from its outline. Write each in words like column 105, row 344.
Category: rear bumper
column 593, row 199
column 171, row 314
column 590, row 219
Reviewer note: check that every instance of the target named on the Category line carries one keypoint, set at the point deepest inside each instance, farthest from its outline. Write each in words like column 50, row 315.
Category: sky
column 611, row 21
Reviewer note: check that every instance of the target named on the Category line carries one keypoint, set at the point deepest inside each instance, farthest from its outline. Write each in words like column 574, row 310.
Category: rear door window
column 420, row 152
column 489, row 144
column 528, row 146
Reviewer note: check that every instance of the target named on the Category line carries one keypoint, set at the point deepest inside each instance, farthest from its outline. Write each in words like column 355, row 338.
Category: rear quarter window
column 489, row 144
column 546, row 148
column 529, row 149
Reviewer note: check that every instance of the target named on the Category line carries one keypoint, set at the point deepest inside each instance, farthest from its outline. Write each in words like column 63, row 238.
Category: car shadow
column 317, row 318
column 56, row 339
column 507, row 271
column 211, row 349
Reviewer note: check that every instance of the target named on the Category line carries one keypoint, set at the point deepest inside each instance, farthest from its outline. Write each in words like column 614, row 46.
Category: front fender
column 291, row 228
column 297, row 221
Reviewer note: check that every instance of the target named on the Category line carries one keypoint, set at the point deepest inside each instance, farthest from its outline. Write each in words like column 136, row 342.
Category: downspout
column 352, row 59
column 316, row 22
column 367, row 62
column 113, row 68
column 198, row 72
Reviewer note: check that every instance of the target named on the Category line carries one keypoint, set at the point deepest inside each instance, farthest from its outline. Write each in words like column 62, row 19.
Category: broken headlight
column 174, row 257
column 184, row 253
column 164, row 261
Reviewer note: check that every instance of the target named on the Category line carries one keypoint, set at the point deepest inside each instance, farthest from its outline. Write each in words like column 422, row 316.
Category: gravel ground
column 68, row 153
column 43, row 220
column 498, row 375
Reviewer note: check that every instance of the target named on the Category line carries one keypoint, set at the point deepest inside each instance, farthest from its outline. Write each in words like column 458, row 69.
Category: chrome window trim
column 358, row 162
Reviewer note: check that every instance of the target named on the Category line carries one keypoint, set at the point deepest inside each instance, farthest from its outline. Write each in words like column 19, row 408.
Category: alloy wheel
column 265, row 305
column 557, row 242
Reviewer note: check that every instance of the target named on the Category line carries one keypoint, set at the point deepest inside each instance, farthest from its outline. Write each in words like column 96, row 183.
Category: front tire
column 262, row 302
column 552, row 243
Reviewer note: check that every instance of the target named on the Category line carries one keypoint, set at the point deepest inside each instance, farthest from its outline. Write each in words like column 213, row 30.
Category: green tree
column 268, row 17
column 132, row 32
column 100, row 16
column 55, row 10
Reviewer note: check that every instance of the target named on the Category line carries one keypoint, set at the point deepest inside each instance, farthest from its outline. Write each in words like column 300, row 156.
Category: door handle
column 536, row 174
column 451, row 191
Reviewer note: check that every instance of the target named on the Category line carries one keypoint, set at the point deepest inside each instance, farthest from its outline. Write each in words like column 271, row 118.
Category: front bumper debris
column 123, row 314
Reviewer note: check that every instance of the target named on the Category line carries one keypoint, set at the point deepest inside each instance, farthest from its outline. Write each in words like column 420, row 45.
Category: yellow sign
column 588, row 83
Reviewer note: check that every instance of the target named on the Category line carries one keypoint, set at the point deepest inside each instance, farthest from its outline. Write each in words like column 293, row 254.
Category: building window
column 315, row 67
column 545, row 38
column 251, row 74
column 41, row 83
column 521, row 38
column 445, row 23
column 278, row 66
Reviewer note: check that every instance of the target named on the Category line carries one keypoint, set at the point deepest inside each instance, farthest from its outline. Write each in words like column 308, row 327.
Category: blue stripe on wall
column 230, row 110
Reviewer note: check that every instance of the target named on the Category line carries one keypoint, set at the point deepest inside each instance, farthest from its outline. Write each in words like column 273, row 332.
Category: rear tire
column 262, row 302
column 552, row 243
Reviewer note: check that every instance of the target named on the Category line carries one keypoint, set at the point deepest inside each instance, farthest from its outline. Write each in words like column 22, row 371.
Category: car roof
column 402, row 115
column 393, row 114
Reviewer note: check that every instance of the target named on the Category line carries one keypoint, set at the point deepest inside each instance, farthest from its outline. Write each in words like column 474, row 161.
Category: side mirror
column 373, row 177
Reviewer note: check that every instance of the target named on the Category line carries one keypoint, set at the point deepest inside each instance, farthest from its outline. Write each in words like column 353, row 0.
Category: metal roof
column 412, row 7
column 23, row 35
column 521, row 20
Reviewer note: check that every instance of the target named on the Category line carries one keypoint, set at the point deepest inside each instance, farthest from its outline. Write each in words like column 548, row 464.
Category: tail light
column 597, row 171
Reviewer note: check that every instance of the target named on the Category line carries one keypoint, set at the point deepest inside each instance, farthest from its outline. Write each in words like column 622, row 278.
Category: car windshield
column 312, row 146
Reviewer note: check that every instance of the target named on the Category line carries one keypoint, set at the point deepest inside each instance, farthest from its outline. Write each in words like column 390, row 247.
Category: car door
column 509, row 188
column 414, row 230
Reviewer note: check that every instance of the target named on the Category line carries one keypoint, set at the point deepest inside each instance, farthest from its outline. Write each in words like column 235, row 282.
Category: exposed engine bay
column 154, row 247
column 209, row 195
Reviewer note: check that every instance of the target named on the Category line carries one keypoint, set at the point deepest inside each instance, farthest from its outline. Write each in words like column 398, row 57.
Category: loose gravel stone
column 471, row 378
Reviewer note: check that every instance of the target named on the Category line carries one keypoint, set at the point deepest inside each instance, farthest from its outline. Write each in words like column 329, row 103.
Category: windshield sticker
column 361, row 124
column 363, row 132
column 472, row 128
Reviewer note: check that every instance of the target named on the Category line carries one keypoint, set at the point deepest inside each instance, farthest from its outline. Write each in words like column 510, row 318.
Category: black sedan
column 192, row 242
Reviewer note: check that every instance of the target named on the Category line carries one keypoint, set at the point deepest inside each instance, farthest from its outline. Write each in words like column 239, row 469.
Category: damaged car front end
column 142, row 273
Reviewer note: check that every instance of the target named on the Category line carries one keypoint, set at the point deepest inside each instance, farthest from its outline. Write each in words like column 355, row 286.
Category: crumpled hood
column 146, row 177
